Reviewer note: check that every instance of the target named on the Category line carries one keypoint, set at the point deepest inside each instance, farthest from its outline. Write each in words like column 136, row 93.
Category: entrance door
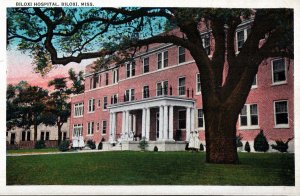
column 12, row 138
column 157, row 125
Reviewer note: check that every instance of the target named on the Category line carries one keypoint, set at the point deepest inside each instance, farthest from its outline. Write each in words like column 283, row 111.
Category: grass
column 149, row 168
column 22, row 151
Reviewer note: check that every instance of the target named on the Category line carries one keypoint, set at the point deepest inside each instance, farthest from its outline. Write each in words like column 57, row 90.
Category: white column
column 130, row 122
column 166, row 123
column 192, row 119
column 161, row 122
column 123, row 122
column 147, row 124
column 114, row 124
column 126, row 122
column 134, row 123
column 188, row 123
column 171, row 123
column 110, row 127
column 144, row 123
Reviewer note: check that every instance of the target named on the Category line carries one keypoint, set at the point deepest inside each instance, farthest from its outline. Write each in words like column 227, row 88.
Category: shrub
column 100, row 146
column 187, row 147
column 260, row 142
column 40, row 144
column 201, row 147
column 281, row 146
column 143, row 144
column 247, row 147
column 155, row 149
column 91, row 144
column 64, row 146
column 239, row 141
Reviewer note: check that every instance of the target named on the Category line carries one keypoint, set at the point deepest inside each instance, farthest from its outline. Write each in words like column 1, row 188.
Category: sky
column 19, row 68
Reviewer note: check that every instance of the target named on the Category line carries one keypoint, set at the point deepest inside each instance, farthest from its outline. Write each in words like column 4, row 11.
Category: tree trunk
column 35, row 132
column 220, row 133
column 59, row 133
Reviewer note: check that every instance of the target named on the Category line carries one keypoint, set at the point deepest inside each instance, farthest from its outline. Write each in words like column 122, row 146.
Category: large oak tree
column 64, row 35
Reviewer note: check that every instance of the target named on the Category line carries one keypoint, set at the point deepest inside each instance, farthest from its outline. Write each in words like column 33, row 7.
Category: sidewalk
column 49, row 153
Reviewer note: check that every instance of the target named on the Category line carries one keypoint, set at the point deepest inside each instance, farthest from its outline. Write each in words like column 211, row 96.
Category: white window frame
column 248, row 115
column 115, row 76
column 130, row 66
column 200, row 128
column 162, row 59
column 197, row 90
column 255, row 79
column 90, row 128
column 285, row 72
column 162, row 83
column 178, row 88
column 103, row 127
column 78, row 109
column 245, row 38
column 274, row 109
column 91, row 105
column 179, row 54
column 80, row 129
column 105, row 103
column 148, row 64
column 144, row 93
column 130, row 94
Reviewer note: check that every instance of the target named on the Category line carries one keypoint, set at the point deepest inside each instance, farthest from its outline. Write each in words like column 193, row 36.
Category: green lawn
column 142, row 168
column 22, row 151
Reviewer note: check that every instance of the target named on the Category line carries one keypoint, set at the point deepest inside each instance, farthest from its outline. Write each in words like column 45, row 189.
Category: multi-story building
column 158, row 97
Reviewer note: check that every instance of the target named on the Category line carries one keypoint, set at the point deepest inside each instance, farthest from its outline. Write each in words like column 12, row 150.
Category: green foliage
column 143, row 144
column 261, row 143
column 64, row 145
column 239, row 141
column 40, row 144
column 281, row 146
column 155, row 149
column 247, row 147
column 91, row 144
column 201, row 147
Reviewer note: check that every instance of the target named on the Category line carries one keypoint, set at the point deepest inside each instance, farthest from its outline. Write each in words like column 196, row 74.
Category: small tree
column 91, row 144
column 143, row 144
column 201, row 147
column 261, row 143
column 247, row 147
column 39, row 144
column 64, row 145
column 239, row 141
column 281, row 146
column 155, row 149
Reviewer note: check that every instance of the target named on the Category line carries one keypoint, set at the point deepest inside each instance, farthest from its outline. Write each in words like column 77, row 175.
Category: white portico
column 151, row 118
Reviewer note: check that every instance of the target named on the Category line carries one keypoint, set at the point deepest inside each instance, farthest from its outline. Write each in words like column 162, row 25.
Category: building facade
column 158, row 97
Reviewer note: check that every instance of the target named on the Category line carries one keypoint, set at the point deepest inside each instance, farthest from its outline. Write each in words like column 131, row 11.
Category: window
column 47, row 136
column 90, row 128
column 182, row 119
column 146, row 65
column 279, row 72
column 77, row 130
column 28, row 135
column 130, row 69
column 115, row 76
column 42, row 136
column 181, row 54
column 200, row 118
column 206, row 44
column 162, row 88
column 106, row 78
column 104, row 103
column 241, row 37
column 23, row 135
column 281, row 114
column 94, row 82
column 145, row 92
column 254, row 83
column 181, row 86
column 78, row 109
column 198, row 83
column 129, row 95
column 114, row 99
column 104, row 127
column 162, row 60
column 249, row 116
column 91, row 105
